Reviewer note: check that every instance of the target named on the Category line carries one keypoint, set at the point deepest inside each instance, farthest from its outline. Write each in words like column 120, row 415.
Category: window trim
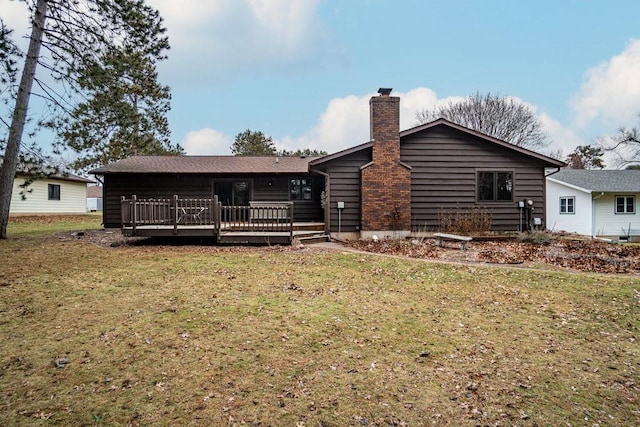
column 625, row 196
column 495, row 184
column 54, row 191
column 573, row 205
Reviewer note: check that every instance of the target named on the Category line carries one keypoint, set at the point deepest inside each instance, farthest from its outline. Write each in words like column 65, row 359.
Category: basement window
column 301, row 188
column 54, row 191
column 625, row 204
column 495, row 186
column 567, row 205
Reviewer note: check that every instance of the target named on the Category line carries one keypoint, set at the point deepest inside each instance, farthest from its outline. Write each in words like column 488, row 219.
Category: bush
column 475, row 220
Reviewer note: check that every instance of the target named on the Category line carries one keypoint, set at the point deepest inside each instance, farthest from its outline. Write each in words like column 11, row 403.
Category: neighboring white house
column 94, row 198
column 599, row 203
column 53, row 195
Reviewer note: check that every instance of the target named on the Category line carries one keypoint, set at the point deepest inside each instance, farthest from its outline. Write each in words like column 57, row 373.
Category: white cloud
column 561, row 137
column 611, row 91
column 345, row 121
column 205, row 142
column 16, row 17
column 224, row 38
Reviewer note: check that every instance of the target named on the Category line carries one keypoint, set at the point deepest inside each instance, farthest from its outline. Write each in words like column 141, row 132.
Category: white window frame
column 625, row 212
column 568, row 205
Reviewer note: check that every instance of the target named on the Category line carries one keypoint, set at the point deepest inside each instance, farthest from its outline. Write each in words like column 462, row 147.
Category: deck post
column 219, row 210
column 175, row 214
column 291, row 222
column 215, row 212
column 122, row 215
column 134, row 214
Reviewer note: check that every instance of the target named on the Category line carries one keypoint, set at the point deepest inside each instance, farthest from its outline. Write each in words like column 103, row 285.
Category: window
column 495, row 186
column 54, row 192
column 567, row 205
column 233, row 193
column 625, row 204
column 301, row 188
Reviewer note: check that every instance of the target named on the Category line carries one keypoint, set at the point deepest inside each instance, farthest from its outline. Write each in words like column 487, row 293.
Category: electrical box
column 340, row 205
column 537, row 221
column 521, row 204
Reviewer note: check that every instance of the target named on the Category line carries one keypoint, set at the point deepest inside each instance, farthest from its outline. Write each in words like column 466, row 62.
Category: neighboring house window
column 54, row 192
column 567, row 205
column 625, row 204
column 301, row 188
column 495, row 186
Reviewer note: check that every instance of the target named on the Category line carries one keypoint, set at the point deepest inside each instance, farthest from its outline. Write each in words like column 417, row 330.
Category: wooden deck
column 261, row 222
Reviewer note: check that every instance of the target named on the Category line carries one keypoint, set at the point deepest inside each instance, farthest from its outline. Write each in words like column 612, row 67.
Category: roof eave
column 341, row 153
column 566, row 184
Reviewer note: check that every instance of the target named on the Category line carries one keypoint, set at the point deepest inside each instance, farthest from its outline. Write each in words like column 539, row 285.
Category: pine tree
column 75, row 34
column 124, row 114
column 249, row 143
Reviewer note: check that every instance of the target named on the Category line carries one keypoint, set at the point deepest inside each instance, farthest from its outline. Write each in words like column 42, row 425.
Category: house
column 393, row 184
column 94, row 198
column 56, row 194
column 594, row 202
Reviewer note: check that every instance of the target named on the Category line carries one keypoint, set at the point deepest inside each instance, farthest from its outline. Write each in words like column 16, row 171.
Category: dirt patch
column 102, row 237
column 579, row 255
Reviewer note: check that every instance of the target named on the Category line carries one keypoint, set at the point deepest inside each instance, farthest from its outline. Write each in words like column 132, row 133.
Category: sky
column 302, row 71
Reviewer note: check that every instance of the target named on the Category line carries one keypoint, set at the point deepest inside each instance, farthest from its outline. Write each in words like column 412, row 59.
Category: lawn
column 201, row 335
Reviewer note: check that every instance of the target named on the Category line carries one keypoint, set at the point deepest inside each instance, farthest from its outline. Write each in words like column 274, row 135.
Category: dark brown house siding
column 264, row 188
column 444, row 163
column 345, row 187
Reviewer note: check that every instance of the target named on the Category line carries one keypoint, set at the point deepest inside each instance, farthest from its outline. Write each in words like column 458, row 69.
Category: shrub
column 475, row 220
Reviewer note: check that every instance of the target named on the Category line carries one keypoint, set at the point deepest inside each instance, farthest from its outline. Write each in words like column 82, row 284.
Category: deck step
column 308, row 240
column 308, row 226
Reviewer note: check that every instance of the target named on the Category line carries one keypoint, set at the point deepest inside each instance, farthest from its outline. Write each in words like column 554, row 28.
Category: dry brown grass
column 196, row 335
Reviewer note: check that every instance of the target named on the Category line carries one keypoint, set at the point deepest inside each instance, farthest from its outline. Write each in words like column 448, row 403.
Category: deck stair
column 308, row 240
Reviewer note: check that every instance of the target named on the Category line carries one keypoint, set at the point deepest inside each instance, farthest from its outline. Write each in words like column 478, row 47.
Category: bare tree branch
column 497, row 116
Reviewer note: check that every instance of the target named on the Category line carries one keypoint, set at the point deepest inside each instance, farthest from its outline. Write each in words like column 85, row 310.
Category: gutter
column 553, row 173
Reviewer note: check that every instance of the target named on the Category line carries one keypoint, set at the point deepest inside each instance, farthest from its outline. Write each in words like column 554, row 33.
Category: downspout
column 327, row 203
column 593, row 214
column 544, row 197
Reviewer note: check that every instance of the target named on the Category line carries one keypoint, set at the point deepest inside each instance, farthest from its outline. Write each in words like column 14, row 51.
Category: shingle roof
column 207, row 164
column 94, row 191
column 600, row 180
column 62, row 176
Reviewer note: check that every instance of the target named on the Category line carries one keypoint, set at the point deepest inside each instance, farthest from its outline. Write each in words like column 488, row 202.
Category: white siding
column 73, row 197
column 580, row 222
column 610, row 224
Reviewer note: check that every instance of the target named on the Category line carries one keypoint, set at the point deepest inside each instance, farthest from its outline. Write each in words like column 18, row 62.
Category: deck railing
column 259, row 216
column 196, row 212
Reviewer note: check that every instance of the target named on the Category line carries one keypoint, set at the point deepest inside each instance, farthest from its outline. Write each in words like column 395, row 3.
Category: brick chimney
column 386, row 181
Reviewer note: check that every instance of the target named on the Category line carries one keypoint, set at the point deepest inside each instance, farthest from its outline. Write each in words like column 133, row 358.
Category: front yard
column 204, row 335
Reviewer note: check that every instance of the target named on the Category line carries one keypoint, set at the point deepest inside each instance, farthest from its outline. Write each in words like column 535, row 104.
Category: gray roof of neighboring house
column 607, row 181
column 207, row 164
column 63, row 176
